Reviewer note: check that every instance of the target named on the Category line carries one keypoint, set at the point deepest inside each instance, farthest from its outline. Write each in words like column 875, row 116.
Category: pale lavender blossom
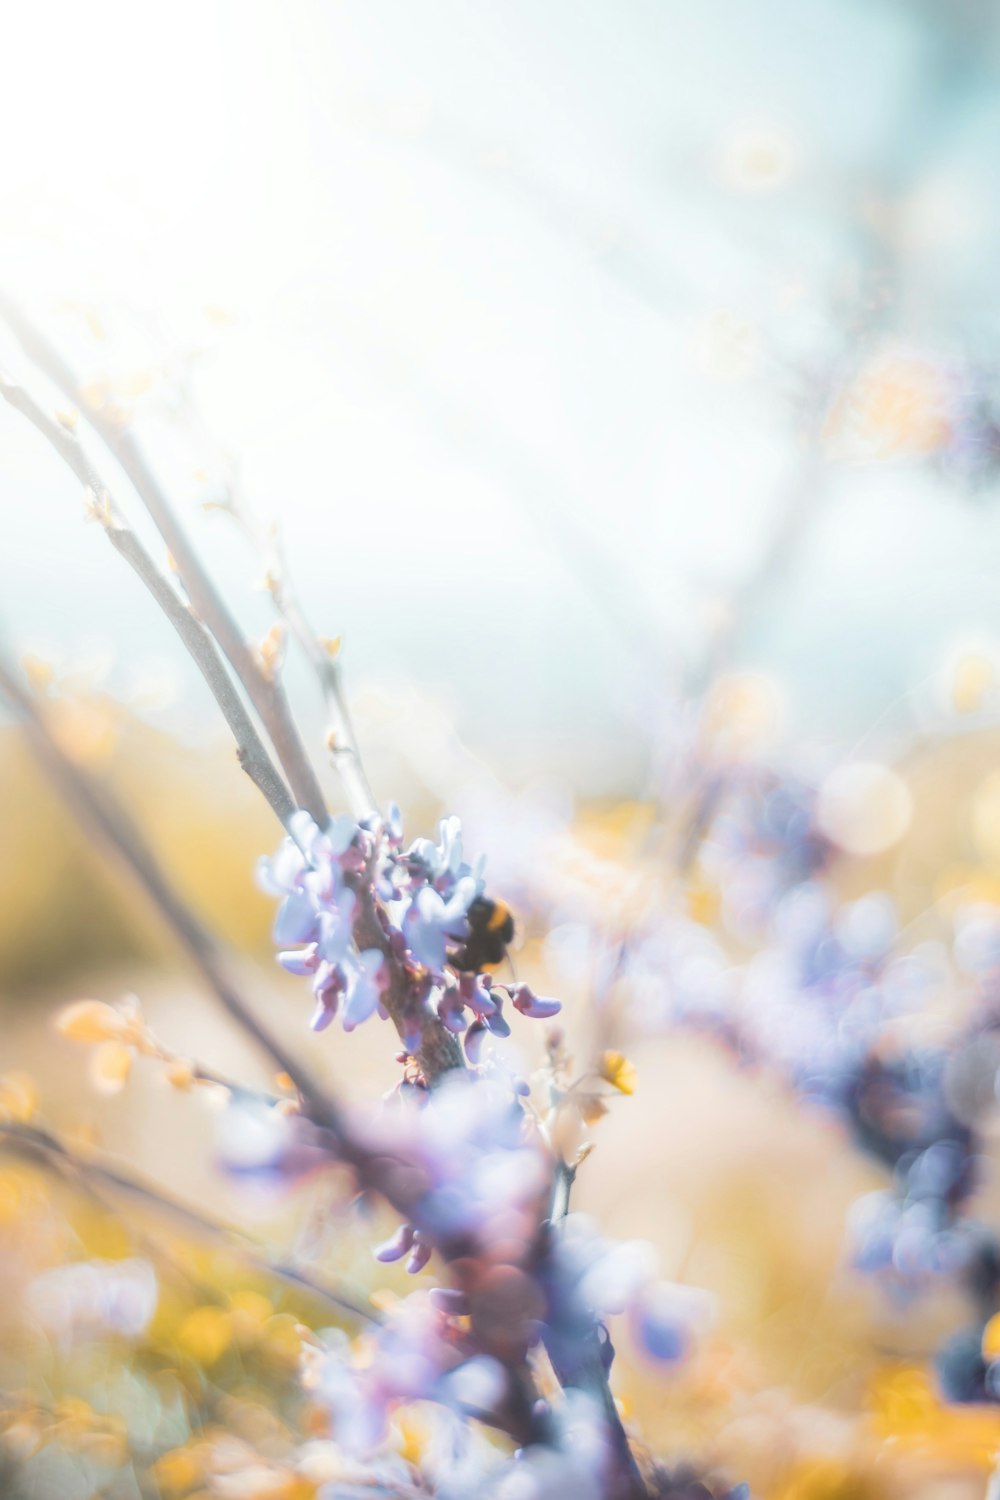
column 416, row 1355
column 93, row 1298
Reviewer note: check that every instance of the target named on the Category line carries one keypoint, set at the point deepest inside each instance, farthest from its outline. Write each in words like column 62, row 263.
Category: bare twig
column 322, row 656
column 562, row 1186
column 32, row 1140
column 96, row 809
column 263, row 687
column 252, row 754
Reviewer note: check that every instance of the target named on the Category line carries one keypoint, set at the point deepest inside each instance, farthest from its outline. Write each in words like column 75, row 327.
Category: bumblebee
column 491, row 928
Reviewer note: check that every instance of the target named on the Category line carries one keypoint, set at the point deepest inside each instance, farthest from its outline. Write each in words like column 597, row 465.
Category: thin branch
column 31, row 1140
column 93, row 1173
column 263, row 688
column 251, row 752
column 95, row 808
column 342, row 741
column 562, row 1186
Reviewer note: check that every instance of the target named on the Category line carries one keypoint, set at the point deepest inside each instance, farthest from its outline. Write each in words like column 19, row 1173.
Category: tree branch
column 251, row 752
column 342, row 741
column 96, row 809
column 32, row 1140
column 263, row 689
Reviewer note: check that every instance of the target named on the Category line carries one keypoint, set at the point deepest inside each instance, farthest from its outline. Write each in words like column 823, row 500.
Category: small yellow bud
column 91, row 1021
column 110, row 1067
column 616, row 1069
column 69, row 419
column 331, row 644
column 271, row 651
column 98, row 507
column 180, row 1074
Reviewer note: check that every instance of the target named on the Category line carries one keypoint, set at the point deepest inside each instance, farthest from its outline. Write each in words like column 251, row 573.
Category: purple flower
column 485, row 1178
column 433, row 924
column 415, row 1356
column 665, row 1320
column 421, row 899
column 90, row 1299
column 366, row 990
column 529, row 1004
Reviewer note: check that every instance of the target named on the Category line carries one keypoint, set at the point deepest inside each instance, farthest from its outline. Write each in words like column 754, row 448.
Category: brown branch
column 440, row 1050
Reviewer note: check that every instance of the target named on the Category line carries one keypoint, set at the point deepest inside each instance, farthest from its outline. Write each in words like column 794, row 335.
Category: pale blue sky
column 481, row 260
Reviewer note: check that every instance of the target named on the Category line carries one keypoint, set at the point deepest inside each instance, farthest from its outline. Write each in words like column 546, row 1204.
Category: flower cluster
column 317, row 914
column 898, row 1038
column 481, row 1176
column 358, row 908
column 477, row 1176
column 591, row 1279
column 765, row 842
column 416, row 1355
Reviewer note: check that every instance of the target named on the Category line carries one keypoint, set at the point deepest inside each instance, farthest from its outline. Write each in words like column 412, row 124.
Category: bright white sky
column 482, row 264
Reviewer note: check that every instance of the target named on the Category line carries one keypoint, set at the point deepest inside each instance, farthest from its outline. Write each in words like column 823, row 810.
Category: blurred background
column 596, row 361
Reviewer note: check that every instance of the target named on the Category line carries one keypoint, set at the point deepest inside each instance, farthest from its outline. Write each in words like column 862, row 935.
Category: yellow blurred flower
column 907, row 1413
column 205, row 1334
column 616, row 1069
